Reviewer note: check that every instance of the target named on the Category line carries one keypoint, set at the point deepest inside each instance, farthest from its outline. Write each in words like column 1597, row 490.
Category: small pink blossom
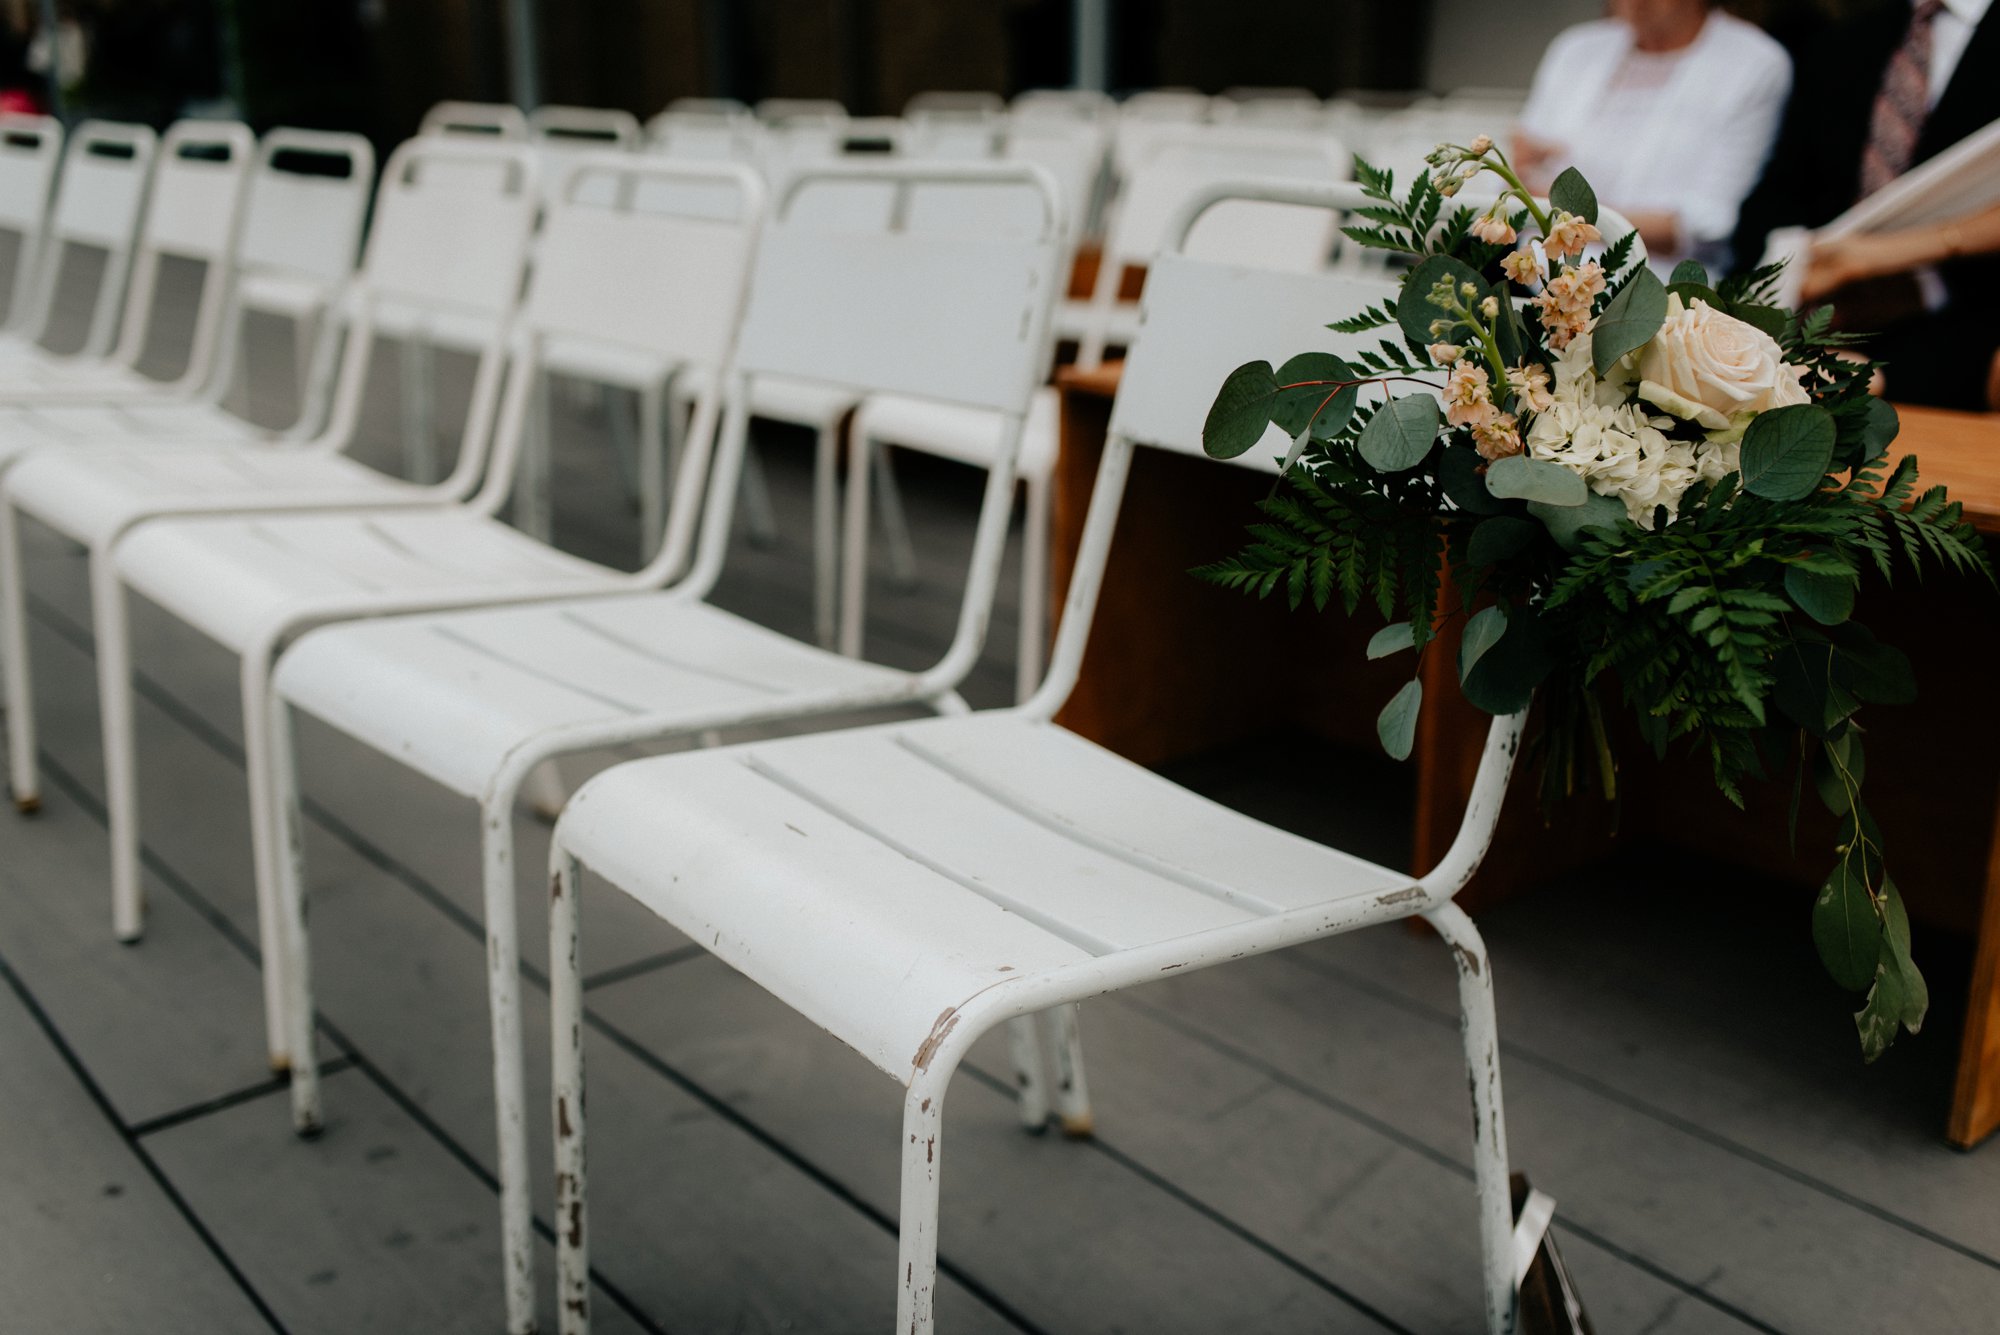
column 1467, row 399
column 1568, row 235
column 1565, row 302
column 1530, row 384
column 1497, row 437
column 1493, row 229
column 1444, row 354
column 1482, row 145
column 1523, row 267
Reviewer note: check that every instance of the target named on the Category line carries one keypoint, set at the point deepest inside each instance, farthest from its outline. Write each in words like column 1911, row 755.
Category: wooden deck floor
column 1283, row 1144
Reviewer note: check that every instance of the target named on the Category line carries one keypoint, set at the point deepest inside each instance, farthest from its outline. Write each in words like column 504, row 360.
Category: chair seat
column 969, row 435
column 45, row 378
column 878, row 880
column 452, row 694
column 68, row 428
column 91, row 494
column 781, row 398
column 1075, row 318
column 232, row 578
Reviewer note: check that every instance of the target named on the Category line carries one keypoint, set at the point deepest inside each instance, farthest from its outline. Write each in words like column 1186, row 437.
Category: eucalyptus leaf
column 1827, row 599
column 1241, row 411
column 1804, row 688
column 1400, row 434
column 1845, row 927
column 1517, row 477
column 1397, row 724
column 1688, row 271
column 1414, row 311
column 1321, row 407
column 1484, row 630
column 1392, row 639
column 1507, row 331
column 1572, row 194
column 1504, row 679
column 1770, row 319
column 1838, row 769
column 1900, row 995
column 1866, row 426
column 1458, row 472
column 1566, row 523
column 1876, row 672
column 1786, row 452
column 1630, row 321
column 1500, row 537
column 1689, row 293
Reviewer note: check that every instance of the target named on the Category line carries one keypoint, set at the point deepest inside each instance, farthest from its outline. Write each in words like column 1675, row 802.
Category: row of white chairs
column 946, row 876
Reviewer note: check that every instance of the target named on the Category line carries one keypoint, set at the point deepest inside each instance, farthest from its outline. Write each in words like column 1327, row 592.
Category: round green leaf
column 1500, row 537
column 1504, row 678
column 1827, row 599
column 1845, row 927
column 1630, row 321
column 1688, row 271
column 1876, row 672
column 1838, row 769
column 1241, row 411
column 1414, row 311
column 1401, row 433
column 1787, row 451
column 1572, row 194
column 1518, row 477
column 1566, row 523
column 1321, row 407
column 1397, row 724
column 1458, row 472
column 1482, row 632
column 1392, row 639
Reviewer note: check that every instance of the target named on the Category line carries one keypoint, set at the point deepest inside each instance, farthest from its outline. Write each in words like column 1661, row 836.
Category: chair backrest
column 1073, row 152
column 942, row 101
column 106, row 169
column 1064, row 104
column 308, row 203
column 30, row 153
column 454, row 251
column 1202, row 319
column 943, row 316
column 627, row 289
column 1182, row 105
column 192, row 213
column 477, row 120
column 706, row 106
column 564, row 136
column 950, row 134
column 780, row 110
column 1177, row 166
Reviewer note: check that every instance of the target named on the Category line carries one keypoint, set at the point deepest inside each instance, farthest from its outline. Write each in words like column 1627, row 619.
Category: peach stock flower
column 1467, row 398
column 1493, row 229
column 1565, row 302
column 1496, row 437
column 1523, row 267
column 1444, row 354
column 1530, row 384
column 1568, row 235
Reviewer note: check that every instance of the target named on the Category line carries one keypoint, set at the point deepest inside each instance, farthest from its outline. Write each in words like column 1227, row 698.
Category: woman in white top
column 1668, row 108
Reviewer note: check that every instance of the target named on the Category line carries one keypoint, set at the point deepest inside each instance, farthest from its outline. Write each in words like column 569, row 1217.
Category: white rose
column 1713, row 369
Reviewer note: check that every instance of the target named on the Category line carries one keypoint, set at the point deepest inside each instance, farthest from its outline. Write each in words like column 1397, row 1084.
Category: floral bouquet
column 1654, row 494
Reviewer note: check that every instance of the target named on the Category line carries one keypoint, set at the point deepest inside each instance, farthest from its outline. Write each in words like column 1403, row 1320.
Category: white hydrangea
column 1596, row 430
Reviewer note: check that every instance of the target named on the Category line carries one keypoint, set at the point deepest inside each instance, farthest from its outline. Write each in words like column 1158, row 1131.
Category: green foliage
column 1726, row 627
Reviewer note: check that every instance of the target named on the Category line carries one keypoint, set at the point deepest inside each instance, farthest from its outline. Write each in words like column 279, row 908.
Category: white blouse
column 1684, row 132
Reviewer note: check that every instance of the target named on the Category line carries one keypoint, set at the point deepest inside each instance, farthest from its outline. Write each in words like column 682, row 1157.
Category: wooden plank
column 1735, row 1227
column 1960, row 451
column 1075, row 1242
column 1975, row 1104
column 92, row 1242
column 373, row 1226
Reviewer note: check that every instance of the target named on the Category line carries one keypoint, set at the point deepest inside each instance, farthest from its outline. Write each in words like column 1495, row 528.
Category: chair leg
column 566, row 1071
column 510, row 1090
column 923, row 1162
column 655, row 465
column 112, row 626
column 1031, row 1074
column 289, row 900
column 23, row 777
column 419, row 396
column 897, row 547
column 267, row 839
column 853, row 541
column 1072, row 1096
column 1034, row 590
column 1480, row 1028
column 760, row 521
column 534, row 505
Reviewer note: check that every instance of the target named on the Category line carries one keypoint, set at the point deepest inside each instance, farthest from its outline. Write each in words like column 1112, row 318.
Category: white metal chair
column 564, row 136
column 30, row 154
column 977, row 102
column 1063, row 104
column 478, row 699
column 476, row 120
column 908, row 887
column 100, row 192
column 1175, row 164
column 294, row 251
column 438, row 264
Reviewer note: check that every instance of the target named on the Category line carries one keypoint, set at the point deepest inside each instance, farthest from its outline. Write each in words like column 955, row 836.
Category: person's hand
column 1535, row 159
column 1835, row 262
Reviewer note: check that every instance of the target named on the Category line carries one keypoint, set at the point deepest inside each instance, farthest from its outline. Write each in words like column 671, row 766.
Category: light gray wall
column 1478, row 43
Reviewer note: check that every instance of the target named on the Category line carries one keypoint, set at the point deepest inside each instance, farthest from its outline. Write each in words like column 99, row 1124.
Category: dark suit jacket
column 1814, row 174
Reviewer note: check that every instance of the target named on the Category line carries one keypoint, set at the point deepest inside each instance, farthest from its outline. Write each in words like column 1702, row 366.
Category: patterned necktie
column 1902, row 105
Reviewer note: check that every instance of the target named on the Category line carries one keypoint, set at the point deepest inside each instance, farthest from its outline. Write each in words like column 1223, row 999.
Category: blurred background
column 375, row 66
